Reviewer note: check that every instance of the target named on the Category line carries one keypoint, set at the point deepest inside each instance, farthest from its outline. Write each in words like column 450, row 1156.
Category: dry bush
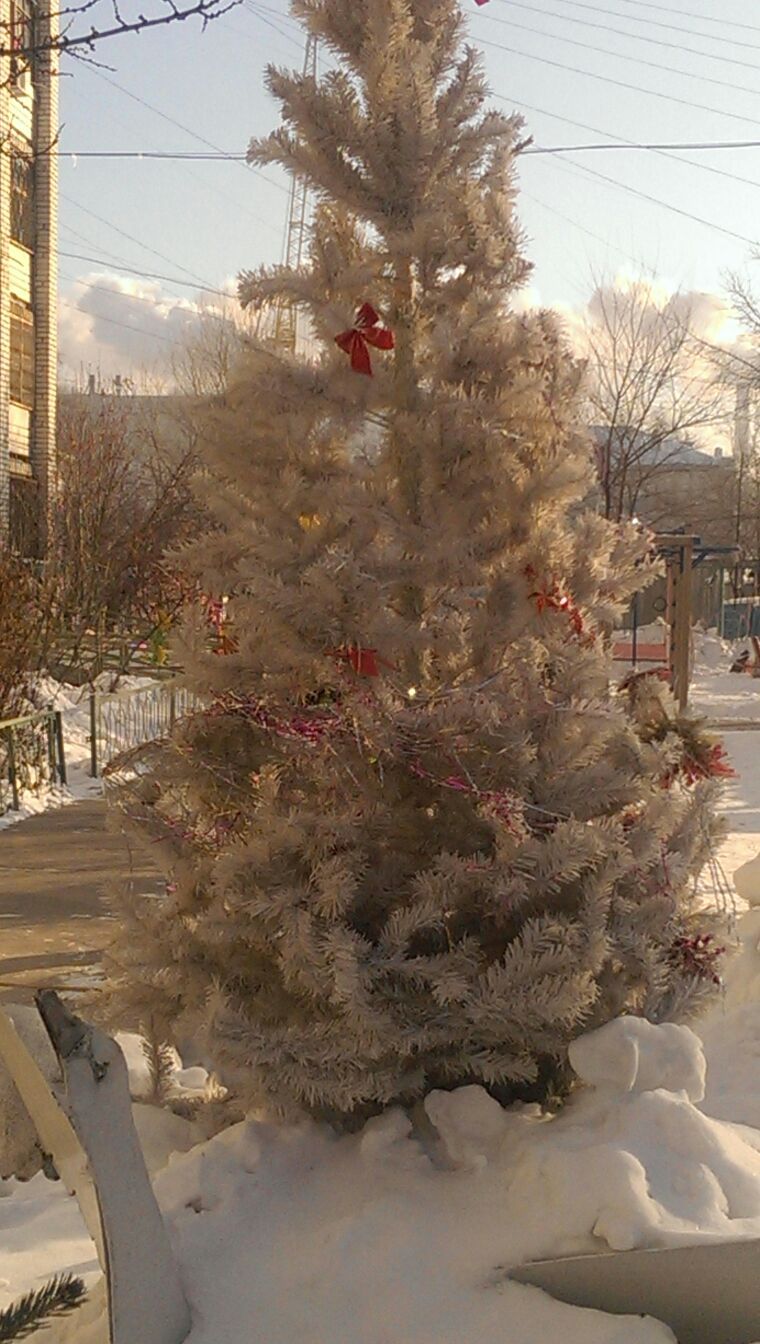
column 123, row 502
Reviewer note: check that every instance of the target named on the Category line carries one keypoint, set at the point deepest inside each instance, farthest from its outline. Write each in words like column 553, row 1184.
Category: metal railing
column 32, row 756
column 121, row 721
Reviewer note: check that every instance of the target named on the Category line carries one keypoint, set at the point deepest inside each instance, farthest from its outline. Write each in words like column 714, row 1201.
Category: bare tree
column 122, row 504
column 79, row 29
column 648, row 385
column 738, row 367
column 205, row 357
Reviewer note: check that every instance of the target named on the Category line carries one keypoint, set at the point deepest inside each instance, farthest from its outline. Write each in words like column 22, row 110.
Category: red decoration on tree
column 698, row 956
column 365, row 662
column 714, row 764
column 365, row 332
column 552, row 598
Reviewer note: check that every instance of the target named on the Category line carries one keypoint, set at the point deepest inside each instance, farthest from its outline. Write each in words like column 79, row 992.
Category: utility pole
column 741, row 457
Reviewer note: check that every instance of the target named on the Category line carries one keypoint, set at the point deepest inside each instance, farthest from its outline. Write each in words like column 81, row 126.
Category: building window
column 22, row 198
column 22, row 353
column 22, row 26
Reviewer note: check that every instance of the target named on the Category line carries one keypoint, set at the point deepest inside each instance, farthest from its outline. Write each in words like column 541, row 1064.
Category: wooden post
column 683, row 599
column 93, row 734
column 12, row 772
column 62, row 772
column 678, row 551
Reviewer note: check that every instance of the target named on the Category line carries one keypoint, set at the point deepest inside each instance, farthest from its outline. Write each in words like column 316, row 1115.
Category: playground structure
column 682, row 555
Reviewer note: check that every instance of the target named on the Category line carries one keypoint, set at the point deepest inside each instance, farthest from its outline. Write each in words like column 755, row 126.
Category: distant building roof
column 671, row 452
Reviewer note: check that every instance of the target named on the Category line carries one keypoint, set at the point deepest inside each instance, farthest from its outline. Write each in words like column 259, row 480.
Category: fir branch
column 57, row 1298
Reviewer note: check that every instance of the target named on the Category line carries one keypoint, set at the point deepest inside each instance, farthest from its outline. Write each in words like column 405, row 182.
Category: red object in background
column 364, row 662
column 365, row 332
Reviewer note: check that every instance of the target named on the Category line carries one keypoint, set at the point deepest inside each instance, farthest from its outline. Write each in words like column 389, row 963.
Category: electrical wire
column 689, row 14
column 195, row 135
column 637, row 60
column 192, row 156
column 148, row 275
column 654, row 23
column 620, row 32
column 618, row 83
column 256, row 10
column 126, row 326
column 661, row 150
column 132, row 239
column 655, row 200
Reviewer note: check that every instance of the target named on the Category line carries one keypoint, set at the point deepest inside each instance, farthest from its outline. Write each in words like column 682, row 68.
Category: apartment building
column 28, row 270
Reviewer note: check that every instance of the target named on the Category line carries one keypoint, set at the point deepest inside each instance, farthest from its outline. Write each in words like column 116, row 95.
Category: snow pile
column 407, row 1230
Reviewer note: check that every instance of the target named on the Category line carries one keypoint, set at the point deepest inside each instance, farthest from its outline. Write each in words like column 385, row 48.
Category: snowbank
column 407, row 1231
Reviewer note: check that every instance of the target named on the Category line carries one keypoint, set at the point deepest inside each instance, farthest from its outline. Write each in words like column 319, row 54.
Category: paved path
column 55, row 871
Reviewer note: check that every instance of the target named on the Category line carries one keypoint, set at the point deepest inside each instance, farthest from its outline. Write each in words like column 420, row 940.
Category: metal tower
column 286, row 315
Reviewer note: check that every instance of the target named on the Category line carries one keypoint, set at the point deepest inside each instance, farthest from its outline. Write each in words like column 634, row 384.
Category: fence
column 120, row 721
column 740, row 619
column 31, row 756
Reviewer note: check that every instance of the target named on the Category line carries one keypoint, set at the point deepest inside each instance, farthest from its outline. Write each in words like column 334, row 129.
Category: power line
column 124, row 294
column 689, row 14
column 552, row 209
column 620, row 32
column 127, row 326
column 111, row 257
column 131, row 238
column 637, row 60
column 671, row 27
column 181, row 126
column 633, row 144
column 256, row 10
column 618, row 83
column 182, row 168
column 148, row 275
column 193, row 156
column 654, row 200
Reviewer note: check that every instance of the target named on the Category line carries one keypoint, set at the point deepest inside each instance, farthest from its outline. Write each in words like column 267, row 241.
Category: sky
column 580, row 73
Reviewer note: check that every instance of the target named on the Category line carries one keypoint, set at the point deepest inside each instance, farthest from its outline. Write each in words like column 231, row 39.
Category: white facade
column 28, row 271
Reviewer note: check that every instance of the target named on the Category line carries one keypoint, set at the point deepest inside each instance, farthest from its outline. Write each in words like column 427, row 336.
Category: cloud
column 109, row 325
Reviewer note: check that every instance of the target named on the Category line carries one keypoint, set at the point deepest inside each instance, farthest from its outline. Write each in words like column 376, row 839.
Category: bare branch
column 79, row 42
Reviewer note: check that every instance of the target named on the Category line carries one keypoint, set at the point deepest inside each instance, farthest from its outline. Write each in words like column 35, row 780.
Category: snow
column 632, row 1055
column 716, row 691
column 74, row 704
column 407, row 1230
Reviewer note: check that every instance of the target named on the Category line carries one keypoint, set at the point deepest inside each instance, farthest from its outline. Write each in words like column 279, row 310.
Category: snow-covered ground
column 74, row 704
column 295, row 1236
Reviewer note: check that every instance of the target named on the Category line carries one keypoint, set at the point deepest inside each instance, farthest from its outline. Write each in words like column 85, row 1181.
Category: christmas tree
column 413, row 837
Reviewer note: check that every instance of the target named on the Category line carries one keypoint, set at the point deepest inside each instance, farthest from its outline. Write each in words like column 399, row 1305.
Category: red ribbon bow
column 365, row 332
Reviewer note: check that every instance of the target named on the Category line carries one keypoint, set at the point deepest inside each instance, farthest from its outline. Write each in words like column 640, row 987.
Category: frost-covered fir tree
column 413, row 839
